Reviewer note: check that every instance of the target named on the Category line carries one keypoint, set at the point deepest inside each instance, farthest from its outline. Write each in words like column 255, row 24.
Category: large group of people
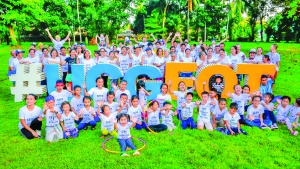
column 118, row 110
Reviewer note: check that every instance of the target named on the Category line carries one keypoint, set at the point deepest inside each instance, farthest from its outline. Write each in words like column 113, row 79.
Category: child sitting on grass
column 123, row 125
column 67, row 121
column 87, row 113
column 232, row 122
column 269, row 108
column 255, row 115
column 283, row 109
column 136, row 111
column 219, row 112
column 107, row 127
column 153, row 117
column 293, row 117
column 167, row 114
column 53, row 130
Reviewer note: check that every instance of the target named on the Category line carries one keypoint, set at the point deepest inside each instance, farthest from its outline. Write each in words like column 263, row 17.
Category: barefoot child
column 123, row 125
column 67, row 121
column 53, row 130
column 232, row 122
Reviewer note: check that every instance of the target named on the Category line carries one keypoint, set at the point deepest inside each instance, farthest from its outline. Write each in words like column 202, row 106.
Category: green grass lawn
column 183, row 149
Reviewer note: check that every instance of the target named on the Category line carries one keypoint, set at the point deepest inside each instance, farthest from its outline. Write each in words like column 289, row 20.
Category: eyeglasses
column 102, row 51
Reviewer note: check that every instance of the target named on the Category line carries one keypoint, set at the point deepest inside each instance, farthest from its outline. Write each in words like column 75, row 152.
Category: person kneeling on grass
column 53, row 130
column 231, row 121
column 30, row 118
column 255, row 115
column 153, row 118
column 186, row 114
column 218, row 113
column 293, row 117
column 87, row 113
column 204, row 112
column 167, row 114
column 123, row 125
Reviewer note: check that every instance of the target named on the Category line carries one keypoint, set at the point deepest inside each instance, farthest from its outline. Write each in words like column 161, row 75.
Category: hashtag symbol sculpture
column 27, row 80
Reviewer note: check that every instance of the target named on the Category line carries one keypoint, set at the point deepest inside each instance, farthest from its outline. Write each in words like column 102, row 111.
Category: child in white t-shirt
column 153, row 118
column 77, row 102
column 186, row 114
column 123, row 106
column 99, row 94
column 122, row 89
column 142, row 93
column 110, row 101
column 87, row 113
column 283, row 109
column 137, row 111
column 293, row 117
column 163, row 96
column 219, row 112
column 53, row 130
column 107, row 127
column 60, row 95
column 204, row 112
column 167, row 115
column 123, row 125
column 232, row 122
column 67, row 121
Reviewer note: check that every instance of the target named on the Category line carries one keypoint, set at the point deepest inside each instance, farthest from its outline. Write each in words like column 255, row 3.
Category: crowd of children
column 118, row 110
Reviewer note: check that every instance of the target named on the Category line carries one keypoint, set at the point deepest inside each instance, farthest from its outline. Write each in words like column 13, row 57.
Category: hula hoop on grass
column 119, row 152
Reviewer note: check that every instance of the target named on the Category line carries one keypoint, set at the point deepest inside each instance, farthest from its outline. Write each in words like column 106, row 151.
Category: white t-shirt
column 159, row 61
column 59, row 98
column 181, row 97
column 149, row 60
column 119, row 92
column 77, row 104
column 161, row 99
column 293, row 113
column 153, row 118
column 219, row 113
column 185, row 59
column 80, row 58
column 281, row 113
column 51, row 119
column 255, row 111
column 58, row 45
column 98, row 95
column 242, row 55
column 204, row 111
column 136, row 60
column 102, row 60
column 235, row 60
column 124, row 131
column 87, row 115
column 68, row 120
column 199, row 62
column 232, row 120
column 180, row 55
column 125, row 62
column 34, row 59
column 29, row 116
column 113, row 106
column 188, row 110
column 212, row 106
column 166, row 120
column 225, row 60
column 45, row 61
column 15, row 62
column 240, row 100
column 54, row 61
column 258, row 58
column 106, row 123
column 88, row 64
column 274, row 57
column 64, row 67
column 136, row 112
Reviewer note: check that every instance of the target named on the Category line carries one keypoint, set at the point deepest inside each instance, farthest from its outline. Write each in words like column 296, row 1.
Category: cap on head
column 150, row 44
column 19, row 51
column 59, row 83
column 49, row 98
column 252, row 51
column 148, row 49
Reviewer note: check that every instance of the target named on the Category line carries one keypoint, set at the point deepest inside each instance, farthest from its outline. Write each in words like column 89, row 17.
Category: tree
column 21, row 13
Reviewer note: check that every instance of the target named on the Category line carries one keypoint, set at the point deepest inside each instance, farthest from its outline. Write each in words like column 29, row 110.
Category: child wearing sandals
column 293, row 117
column 67, row 121
column 53, row 130
column 123, row 125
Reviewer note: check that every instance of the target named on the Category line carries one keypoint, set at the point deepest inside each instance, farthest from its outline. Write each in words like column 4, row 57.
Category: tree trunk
column 12, row 34
column 165, row 15
column 261, row 29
